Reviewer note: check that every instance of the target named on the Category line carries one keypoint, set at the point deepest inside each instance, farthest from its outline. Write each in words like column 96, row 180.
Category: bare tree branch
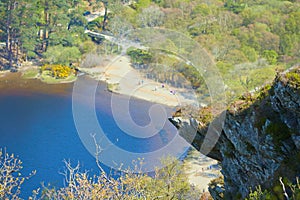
column 283, row 188
column 99, row 150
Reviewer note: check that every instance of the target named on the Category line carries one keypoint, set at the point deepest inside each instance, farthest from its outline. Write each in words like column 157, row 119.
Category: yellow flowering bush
column 59, row 71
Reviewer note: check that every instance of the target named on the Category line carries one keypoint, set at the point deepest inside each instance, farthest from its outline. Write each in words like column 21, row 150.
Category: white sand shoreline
column 200, row 169
column 126, row 80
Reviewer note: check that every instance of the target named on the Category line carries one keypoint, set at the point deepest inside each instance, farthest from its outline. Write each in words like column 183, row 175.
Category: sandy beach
column 200, row 169
column 129, row 81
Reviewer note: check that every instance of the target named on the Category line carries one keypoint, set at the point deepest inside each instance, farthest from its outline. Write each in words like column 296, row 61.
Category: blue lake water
column 37, row 125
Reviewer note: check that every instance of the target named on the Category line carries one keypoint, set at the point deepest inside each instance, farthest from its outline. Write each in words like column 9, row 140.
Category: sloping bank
column 260, row 140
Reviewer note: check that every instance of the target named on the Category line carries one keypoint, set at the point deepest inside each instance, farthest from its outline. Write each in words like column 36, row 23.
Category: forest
column 248, row 40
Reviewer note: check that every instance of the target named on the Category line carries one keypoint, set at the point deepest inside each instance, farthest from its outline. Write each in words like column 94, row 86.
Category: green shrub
column 139, row 56
column 258, row 194
column 293, row 79
column 271, row 56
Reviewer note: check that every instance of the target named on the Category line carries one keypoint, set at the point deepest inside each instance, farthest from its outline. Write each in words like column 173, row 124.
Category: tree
column 111, row 6
column 62, row 55
column 271, row 56
column 258, row 37
column 105, row 17
column 151, row 17
column 30, row 26
column 292, row 24
column 286, row 44
column 250, row 53
column 56, row 24
column 119, row 26
column 139, row 56
column 170, row 182
column 11, row 178
column 92, row 60
column 29, row 29
column 167, row 183
column 10, row 25
column 235, row 6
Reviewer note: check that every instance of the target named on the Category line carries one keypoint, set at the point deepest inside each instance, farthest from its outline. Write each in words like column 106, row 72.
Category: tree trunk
column 104, row 17
column 8, row 37
column 45, row 27
column 10, row 55
column 8, row 31
column 17, row 54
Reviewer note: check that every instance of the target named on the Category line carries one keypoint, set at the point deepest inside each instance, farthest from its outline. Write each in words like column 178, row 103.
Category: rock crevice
column 257, row 144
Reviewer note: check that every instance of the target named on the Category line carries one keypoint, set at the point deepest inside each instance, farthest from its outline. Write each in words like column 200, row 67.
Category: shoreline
column 122, row 79
column 200, row 169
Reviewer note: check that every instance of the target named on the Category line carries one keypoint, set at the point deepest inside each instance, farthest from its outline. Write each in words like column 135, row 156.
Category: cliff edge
column 260, row 139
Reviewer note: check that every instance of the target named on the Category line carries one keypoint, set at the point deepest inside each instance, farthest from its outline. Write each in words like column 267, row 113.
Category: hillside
column 246, row 39
column 260, row 140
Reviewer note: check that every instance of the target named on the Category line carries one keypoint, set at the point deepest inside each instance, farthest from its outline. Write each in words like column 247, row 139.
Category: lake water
column 37, row 125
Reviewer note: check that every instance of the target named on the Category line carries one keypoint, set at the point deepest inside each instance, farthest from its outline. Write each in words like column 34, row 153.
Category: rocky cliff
column 260, row 139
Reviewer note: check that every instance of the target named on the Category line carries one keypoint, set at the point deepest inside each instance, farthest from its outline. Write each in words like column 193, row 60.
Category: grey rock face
column 257, row 144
